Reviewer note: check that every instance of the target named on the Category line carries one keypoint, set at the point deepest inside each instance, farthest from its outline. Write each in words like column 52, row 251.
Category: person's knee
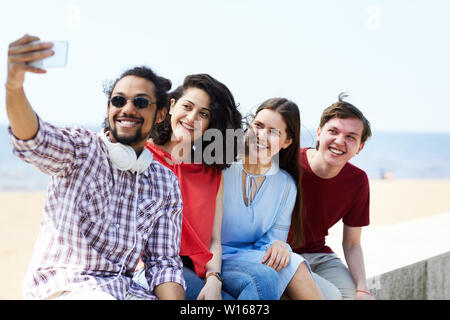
column 257, row 281
column 267, row 277
column 263, row 280
column 264, row 272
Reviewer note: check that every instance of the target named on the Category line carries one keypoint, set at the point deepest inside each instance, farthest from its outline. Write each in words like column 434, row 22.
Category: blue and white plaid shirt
column 88, row 223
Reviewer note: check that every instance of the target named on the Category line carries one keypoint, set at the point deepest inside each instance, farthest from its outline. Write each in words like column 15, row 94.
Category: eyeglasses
column 139, row 102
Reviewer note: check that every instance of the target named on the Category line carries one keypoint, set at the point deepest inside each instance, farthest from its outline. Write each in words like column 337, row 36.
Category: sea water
column 403, row 155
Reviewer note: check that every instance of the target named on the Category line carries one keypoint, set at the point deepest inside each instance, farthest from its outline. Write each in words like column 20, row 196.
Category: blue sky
column 392, row 57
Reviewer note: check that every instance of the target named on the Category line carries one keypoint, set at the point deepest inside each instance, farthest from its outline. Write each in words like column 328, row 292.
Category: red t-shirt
column 199, row 185
column 326, row 201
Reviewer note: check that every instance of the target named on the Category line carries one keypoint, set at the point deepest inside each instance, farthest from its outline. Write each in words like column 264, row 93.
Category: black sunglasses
column 139, row 102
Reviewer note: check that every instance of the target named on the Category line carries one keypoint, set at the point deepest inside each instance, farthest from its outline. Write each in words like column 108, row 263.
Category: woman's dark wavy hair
column 289, row 158
column 224, row 115
column 162, row 86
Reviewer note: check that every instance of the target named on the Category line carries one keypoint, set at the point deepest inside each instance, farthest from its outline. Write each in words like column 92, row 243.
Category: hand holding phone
column 20, row 53
column 57, row 60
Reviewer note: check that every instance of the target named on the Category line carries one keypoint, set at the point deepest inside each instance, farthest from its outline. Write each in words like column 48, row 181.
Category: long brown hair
column 289, row 158
column 224, row 115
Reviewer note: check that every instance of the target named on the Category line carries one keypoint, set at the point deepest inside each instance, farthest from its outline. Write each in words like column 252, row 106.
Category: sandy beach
column 392, row 201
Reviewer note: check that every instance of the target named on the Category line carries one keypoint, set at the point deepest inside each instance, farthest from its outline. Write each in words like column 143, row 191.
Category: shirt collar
column 274, row 167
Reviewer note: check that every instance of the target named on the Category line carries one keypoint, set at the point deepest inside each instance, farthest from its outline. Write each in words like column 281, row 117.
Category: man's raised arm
column 23, row 120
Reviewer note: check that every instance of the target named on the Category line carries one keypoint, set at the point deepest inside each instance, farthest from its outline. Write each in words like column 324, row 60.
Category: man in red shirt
column 333, row 189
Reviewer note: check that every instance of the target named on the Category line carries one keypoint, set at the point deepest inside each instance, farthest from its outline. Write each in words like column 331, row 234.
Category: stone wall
column 425, row 280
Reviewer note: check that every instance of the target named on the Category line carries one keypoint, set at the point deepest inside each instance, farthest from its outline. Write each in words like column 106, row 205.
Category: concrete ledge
column 407, row 260
column 423, row 280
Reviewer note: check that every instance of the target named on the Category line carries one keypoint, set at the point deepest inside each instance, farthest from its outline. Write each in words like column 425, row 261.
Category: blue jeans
column 194, row 284
column 242, row 280
column 249, row 280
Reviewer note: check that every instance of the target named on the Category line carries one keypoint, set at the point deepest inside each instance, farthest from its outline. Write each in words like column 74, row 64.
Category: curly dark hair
column 224, row 115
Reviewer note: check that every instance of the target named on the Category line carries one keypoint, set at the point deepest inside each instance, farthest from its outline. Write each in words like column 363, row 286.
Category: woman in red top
column 179, row 142
column 190, row 114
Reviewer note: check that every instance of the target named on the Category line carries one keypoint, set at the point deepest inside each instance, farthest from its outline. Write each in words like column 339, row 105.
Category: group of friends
column 136, row 212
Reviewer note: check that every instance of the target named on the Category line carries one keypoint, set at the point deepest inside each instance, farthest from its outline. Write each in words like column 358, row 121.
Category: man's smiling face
column 340, row 140
column 128, row 124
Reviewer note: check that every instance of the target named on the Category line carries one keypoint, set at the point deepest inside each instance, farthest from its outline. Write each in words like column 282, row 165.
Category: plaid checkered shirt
column 88, row 223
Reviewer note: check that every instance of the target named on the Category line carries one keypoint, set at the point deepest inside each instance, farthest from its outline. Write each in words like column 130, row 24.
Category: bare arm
column 213, row 286
column 355, row 260
column 23, row 120
column 277, row 256
column 170, row 291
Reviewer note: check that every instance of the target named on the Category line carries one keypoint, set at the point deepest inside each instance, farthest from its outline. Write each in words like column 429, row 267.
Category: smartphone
column 58, row 60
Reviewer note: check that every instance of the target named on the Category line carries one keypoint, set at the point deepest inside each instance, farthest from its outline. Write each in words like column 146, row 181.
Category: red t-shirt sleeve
column 358, row 216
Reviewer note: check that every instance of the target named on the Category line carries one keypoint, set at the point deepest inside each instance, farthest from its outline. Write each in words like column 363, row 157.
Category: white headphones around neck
column 124, row 157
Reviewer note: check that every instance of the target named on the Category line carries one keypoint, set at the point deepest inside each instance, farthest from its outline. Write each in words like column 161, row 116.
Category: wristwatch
column 215, row 274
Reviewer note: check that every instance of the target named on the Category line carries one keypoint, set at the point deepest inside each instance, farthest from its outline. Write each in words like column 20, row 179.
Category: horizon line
column 303, row 128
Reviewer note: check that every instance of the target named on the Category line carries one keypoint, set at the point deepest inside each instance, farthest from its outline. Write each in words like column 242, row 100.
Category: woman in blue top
column 260, row 199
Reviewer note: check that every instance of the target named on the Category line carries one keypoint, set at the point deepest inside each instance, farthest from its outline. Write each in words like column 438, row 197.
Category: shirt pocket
column 147, row 216
column 95, row 209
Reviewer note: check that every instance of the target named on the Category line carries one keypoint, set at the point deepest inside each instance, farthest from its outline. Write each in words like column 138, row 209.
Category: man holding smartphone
column 108, row 204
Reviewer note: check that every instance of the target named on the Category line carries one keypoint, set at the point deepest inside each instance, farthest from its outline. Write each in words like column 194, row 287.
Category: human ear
column 161, row 115
column 172, row 105
column 319, row 131
column 360, row 147
column 287, row 143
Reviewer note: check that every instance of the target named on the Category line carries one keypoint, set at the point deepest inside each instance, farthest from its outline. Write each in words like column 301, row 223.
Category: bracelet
column 362, row 291
column 215, row 274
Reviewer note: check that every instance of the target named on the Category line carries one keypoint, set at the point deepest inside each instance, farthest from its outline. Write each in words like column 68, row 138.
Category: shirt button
column 117, row 226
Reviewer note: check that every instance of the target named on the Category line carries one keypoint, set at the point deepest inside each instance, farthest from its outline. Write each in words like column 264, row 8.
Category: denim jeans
column 249, row 280
column 242, row 280
column 194, row 285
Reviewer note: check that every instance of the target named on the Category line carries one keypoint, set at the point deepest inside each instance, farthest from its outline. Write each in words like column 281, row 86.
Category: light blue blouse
column 248, row 231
